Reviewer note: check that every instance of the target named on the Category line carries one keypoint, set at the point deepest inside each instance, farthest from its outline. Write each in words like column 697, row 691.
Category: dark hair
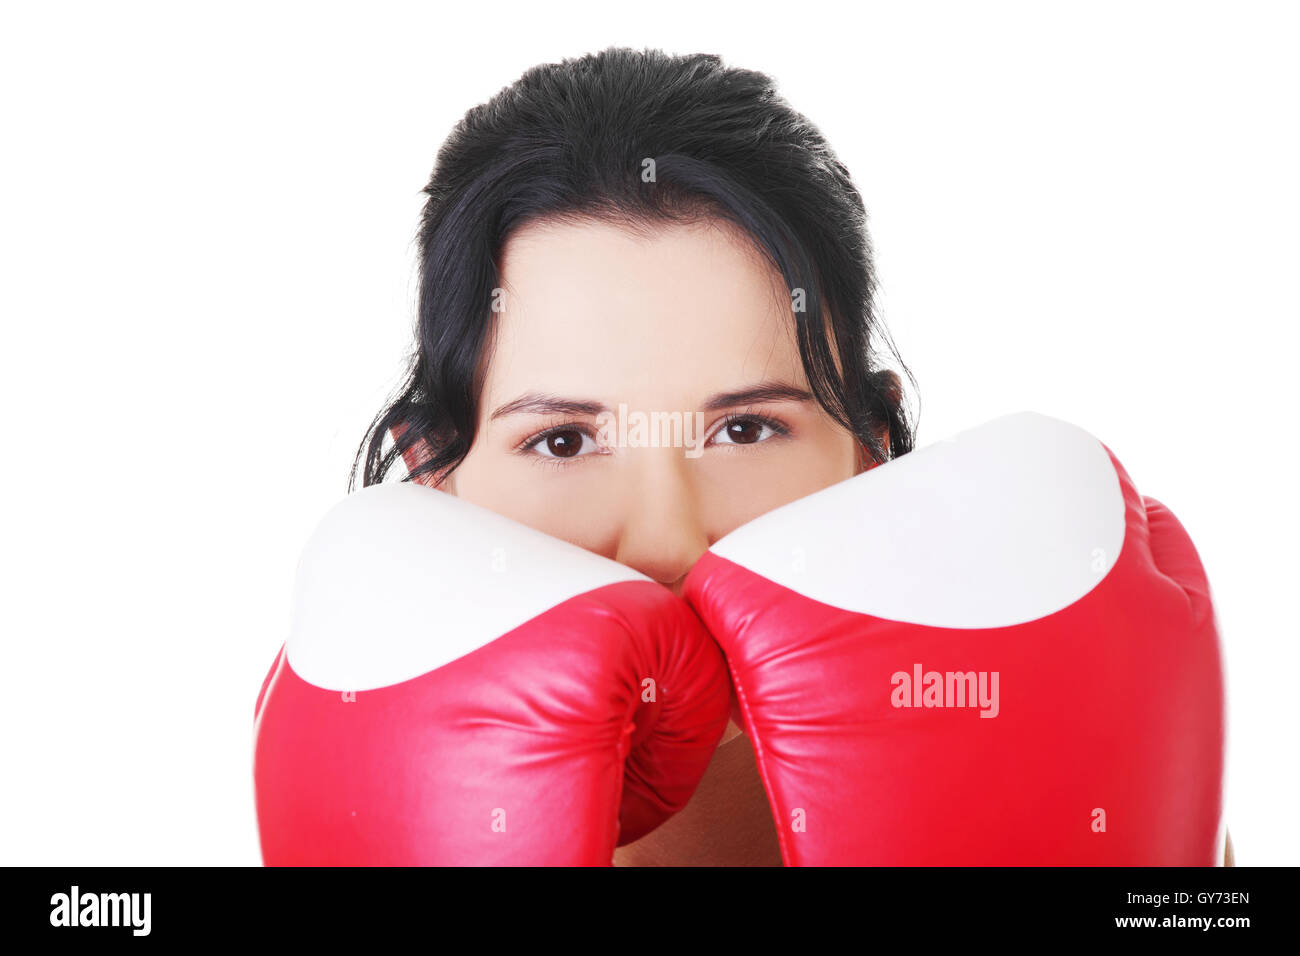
column 568, row 141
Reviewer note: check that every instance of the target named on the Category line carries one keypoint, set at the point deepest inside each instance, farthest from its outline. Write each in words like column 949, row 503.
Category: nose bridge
column 663, row 532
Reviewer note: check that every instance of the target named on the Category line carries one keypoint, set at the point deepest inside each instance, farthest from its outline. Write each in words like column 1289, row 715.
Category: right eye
column 561, row 443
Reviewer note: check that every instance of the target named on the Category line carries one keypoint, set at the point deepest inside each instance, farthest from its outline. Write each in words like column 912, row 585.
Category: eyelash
column 525, row 447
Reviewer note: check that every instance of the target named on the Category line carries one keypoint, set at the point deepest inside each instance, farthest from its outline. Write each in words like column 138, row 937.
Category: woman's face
column 681, row 328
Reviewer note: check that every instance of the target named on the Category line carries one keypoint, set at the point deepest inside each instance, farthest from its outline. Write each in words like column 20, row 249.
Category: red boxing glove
column 990, row 651
column 458, row 689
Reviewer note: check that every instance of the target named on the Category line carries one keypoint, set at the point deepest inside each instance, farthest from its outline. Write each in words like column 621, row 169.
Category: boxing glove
column 990, row 651
column 459, row 689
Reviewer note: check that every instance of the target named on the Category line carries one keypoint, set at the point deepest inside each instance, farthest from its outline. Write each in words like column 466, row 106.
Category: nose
column 663, row 534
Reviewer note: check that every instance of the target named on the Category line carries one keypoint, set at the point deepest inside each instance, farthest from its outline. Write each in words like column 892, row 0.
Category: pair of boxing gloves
column 989, row 651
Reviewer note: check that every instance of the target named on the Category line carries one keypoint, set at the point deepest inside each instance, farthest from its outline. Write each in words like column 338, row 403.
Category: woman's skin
column 666, row 318
column 680, row 319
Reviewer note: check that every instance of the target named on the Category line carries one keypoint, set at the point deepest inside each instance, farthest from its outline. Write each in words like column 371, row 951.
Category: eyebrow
column 538, row 404
column 757, row 395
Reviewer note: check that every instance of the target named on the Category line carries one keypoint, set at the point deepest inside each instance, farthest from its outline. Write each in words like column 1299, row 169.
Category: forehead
column 667, row 313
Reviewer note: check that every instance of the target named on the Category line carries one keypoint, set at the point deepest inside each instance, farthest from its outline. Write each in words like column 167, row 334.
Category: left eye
column 743, row 431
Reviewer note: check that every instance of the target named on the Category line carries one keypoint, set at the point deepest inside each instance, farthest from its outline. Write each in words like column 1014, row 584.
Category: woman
column 626, row 228
column 635, row 237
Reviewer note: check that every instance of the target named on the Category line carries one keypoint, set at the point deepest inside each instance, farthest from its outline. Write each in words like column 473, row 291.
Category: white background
column 206, row 218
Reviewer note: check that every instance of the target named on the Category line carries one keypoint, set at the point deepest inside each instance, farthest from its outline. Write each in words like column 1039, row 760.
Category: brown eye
column 564, row 444
column 744, row 432
column 749, row 430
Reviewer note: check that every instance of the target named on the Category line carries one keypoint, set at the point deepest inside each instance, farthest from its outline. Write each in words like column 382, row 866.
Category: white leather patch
column 399, row 579
column 1002, row 524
